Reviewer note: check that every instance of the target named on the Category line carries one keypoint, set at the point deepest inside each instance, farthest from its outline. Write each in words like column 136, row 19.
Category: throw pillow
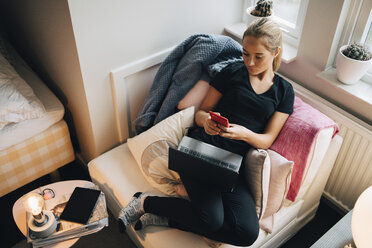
column 257, row 177
column 150, row 149
column 280, row 178
column 268, row 176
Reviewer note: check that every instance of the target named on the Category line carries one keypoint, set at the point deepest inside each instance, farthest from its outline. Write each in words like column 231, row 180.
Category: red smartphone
column 220, row 119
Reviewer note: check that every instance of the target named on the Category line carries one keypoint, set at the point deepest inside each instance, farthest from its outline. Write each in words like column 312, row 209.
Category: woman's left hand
column 234, row 131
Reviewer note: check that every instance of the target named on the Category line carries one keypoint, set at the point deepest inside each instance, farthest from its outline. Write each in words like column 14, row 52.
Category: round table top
column 59, row 188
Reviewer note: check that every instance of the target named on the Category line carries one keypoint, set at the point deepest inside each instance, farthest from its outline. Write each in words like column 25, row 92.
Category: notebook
column 205, row 163
column 80, row 205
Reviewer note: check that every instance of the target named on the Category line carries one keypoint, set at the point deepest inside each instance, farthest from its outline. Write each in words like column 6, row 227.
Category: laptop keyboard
column 207, row 158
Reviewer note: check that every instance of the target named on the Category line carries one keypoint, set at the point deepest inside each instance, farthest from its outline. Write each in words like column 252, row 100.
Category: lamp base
column 44, row 230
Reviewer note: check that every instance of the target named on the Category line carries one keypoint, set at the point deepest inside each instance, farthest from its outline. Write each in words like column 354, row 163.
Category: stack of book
column 69, row 230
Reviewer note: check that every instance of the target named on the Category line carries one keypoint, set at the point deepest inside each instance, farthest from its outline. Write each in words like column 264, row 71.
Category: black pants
column 228, row 217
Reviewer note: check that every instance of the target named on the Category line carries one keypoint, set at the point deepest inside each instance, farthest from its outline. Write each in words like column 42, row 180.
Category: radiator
column 352, row 172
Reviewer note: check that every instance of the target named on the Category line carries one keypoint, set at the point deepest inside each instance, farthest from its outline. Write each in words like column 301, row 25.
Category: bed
column 120, row 172
column 32, row 147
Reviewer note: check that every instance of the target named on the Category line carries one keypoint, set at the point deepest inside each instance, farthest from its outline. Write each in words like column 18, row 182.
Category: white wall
column 110, row 34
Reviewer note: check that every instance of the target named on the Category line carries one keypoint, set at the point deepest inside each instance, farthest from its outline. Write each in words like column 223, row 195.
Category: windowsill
column 237, row 30
column 361, row 89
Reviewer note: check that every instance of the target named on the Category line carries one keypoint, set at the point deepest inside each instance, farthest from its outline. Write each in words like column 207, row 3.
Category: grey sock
column 132, row 211
column 150, row 220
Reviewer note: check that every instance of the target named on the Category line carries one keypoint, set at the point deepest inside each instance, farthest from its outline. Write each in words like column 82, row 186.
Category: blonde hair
column 270, row 34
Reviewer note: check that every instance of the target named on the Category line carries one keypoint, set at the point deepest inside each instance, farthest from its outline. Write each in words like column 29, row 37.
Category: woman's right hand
column 211, row 127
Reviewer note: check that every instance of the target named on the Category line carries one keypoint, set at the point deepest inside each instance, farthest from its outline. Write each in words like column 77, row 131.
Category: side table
column 61, row 188
column 338, row 236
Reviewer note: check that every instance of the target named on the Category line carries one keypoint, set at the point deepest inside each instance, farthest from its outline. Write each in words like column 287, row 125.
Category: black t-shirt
column 241, row 105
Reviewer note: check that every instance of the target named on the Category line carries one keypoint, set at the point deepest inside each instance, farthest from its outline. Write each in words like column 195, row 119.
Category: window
column 358, row 28
column 367, row 41
column 287, row 11
column 369, row 35
column 363, row 30
column 290, row 14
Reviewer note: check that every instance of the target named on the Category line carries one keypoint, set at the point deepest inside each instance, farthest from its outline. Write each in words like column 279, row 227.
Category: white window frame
column 359, row 15
column 291, row 33
column 368, row 22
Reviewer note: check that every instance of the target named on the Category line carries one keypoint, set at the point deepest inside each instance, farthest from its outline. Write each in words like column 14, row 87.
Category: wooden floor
column 325, row 218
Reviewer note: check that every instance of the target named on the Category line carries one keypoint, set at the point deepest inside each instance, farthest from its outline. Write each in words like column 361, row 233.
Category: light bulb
column 42, row 223
column 34, row 204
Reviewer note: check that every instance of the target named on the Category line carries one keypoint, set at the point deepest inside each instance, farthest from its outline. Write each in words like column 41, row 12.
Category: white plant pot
column 249, row 18
column 350, row 71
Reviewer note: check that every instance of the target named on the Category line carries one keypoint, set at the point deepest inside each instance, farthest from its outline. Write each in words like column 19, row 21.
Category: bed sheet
column 16, row 133
column 35, row 157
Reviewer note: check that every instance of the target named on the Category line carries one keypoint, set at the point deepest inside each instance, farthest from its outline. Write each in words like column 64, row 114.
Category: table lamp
column 361, row 220
column 41, row 223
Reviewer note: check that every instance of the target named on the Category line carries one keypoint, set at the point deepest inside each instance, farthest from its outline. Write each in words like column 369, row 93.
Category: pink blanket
column 296, row 138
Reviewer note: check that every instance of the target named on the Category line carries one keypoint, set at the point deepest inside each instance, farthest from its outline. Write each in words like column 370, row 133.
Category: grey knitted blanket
column 189, row 62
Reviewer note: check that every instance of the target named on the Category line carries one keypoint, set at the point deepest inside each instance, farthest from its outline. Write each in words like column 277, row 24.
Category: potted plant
column 263, row 8
column 352, row 63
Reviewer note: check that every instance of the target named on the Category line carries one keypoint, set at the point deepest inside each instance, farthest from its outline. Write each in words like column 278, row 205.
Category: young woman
column 257, row 103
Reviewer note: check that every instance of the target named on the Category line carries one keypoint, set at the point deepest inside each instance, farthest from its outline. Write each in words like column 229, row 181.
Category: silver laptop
column 205, row 163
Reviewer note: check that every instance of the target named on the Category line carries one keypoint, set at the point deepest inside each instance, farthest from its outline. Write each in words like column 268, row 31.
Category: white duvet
column 35, row 107
column 17, row 99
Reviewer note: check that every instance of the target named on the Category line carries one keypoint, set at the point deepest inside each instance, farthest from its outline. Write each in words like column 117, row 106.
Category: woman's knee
column 247, row 234
column 211, row 221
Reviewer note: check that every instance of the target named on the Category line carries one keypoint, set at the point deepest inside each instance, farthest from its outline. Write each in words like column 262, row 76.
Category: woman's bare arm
column 202, row 117
column 265, row 140
column 257, row 140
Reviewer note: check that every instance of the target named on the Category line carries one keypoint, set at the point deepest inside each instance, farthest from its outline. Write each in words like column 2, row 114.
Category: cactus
column 263, row 8
column 357, row 52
